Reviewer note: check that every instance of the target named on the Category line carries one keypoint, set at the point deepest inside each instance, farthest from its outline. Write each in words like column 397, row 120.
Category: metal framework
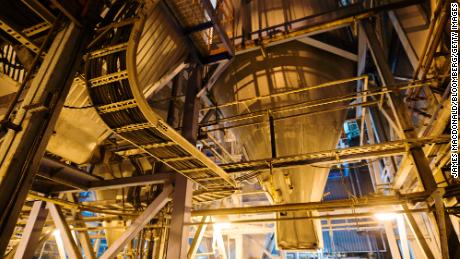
column 133, row 119
column 22, row 151
column 404, row 162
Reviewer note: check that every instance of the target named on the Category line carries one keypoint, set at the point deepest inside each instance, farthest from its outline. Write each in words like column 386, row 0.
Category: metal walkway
column 116, row 91
column 336, row 156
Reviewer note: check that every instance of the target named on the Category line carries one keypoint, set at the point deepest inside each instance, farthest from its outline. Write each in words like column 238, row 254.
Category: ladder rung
column 108, row 50
column 103, row 80
column 133, row 127
column 176, row 159
column 118, row 106
column 159, row 145
column 193, row 170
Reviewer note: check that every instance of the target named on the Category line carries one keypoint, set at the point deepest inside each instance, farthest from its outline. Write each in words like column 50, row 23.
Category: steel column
column 21, row 151
column 192, row 106
column 178, row 232
column 272, row 135
column 183, row 187
column 31, row 234
column 246, row 24
column 441, row 220
column 175, row 86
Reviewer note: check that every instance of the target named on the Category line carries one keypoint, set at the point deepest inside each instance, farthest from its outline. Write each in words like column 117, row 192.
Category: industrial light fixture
column 385, row 216
column 222, row 225
column 56, row 233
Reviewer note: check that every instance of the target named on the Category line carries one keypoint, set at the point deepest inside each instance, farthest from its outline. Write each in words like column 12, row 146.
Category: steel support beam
column 398, row 107
column 239, row 251
column 21, row 152
column 70, row 9
column 221, row 68
column 327, row 21
column 192, row 105
column 40, row 10
column 405, row 42
column 197, row 238
column 220, row 252
column 139, row 223
column 246, row 24
column 182, row 198
column 365, row 113
column 218, row 27
column 64, row 230
column 394, row 249
column 446, row 231
column 421, row 241
column 41, row 241
column 31, row 233
column 59, row 244
column 403, row 237
column 261, row 247
column 450, row 245
column 150, row 90
column 118, row 183
column 178, row 232
column 329, row 48
column 331, row 157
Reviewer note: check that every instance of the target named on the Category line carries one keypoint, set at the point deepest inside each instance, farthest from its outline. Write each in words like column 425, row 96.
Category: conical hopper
column 278, row 69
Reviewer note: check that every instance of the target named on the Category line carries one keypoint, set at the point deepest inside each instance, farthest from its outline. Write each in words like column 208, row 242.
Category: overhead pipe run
column 319, row 206
column 357, row 215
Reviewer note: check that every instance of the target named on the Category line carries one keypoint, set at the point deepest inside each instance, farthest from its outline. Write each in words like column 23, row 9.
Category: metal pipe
column 430, row 33
column 299, row 90
column 326, row 216
column 151, row 226
column 319, row 206
column 76, row 206
column 313, row 103
column 429, row 55
column 298, row 115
